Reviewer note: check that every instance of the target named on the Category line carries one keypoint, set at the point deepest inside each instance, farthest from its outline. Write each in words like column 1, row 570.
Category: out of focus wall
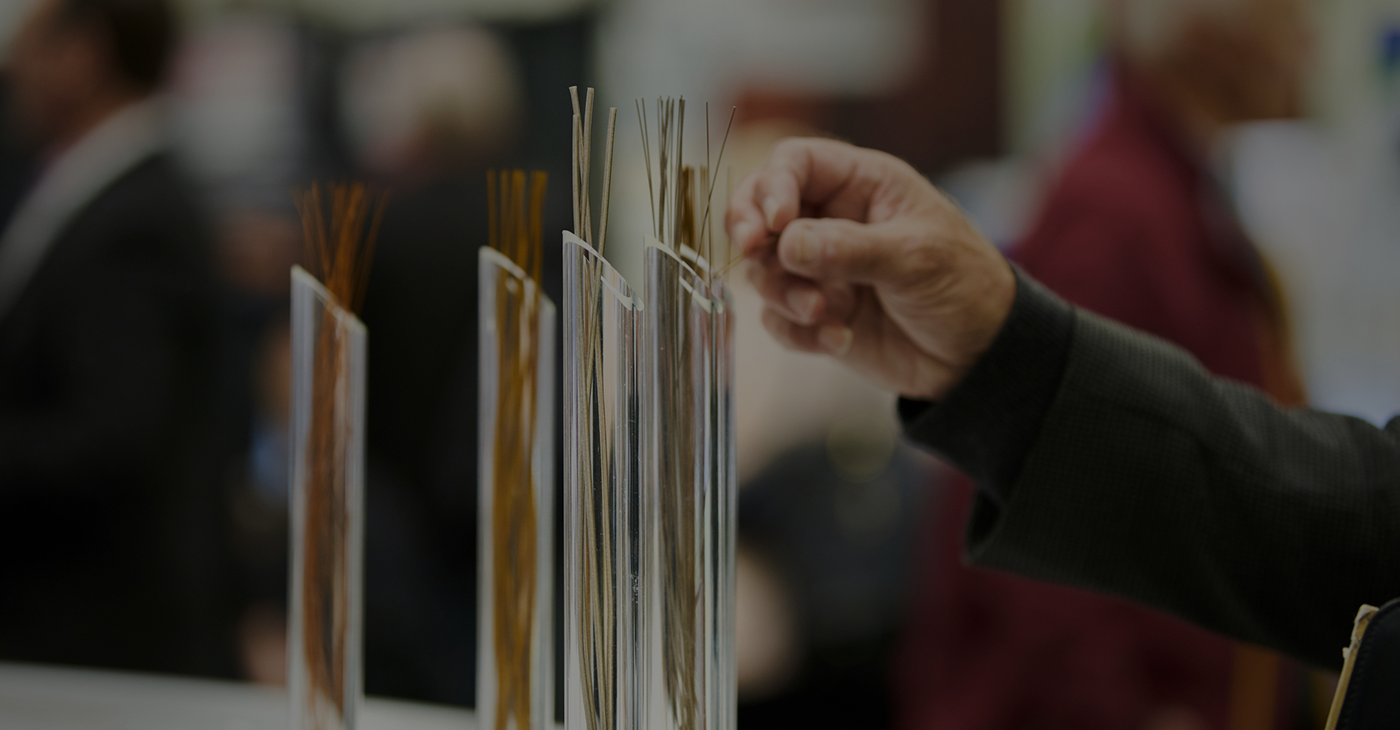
column 712, row 50
column 12, row 12
column 363, row 14
column 1323, row 198
column 1051, row 51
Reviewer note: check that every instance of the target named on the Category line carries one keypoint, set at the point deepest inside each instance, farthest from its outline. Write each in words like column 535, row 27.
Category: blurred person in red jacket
column 1136, row 228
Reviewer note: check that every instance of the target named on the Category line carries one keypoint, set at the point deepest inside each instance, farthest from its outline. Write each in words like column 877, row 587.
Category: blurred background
column 989, row 98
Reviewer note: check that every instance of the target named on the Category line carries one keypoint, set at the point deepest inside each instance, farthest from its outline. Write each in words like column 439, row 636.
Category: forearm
column 989, row 422
column 1149, row 479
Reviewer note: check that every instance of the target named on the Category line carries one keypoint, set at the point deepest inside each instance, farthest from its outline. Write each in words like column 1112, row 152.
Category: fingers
column 812, row 171
column 799, row 299
column 857, row 255
column 787, row 178
column 743, row 219
column 828, row 339
column 796, row 298
column 801, row 175
column 778, row 192
column 833, row 249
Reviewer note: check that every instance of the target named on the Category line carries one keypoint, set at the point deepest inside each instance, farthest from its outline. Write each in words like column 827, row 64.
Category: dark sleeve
column 1149, row 479
column 988, row 423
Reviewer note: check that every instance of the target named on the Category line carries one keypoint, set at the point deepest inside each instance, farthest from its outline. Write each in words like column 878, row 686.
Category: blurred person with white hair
column 1136, row 228
column 427, row 111
column 430, row 103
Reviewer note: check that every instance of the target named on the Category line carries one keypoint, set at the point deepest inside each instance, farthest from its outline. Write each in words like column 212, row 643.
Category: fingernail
column 742, row 233
column 836, row 339
column 804, row 303
column 770, row 212
column 802, row 248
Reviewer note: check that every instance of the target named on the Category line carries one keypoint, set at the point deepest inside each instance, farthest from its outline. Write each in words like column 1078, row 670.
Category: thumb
column 839, row 249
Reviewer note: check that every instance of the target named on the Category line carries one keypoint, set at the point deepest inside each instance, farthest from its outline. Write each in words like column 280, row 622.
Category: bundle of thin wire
column 597, row 538
column 683, row 188
column 515, row 231
column 679, row 223
column 339, row 236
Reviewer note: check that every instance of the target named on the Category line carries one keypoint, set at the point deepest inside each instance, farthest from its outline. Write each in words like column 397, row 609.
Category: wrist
column 988, row 421
column 992, row 305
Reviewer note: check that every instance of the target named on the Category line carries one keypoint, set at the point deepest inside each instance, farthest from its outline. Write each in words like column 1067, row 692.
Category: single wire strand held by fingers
column 646, row 159
column 607, row 180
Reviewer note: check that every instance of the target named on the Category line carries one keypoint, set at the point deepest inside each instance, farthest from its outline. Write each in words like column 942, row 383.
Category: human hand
column 871, row 265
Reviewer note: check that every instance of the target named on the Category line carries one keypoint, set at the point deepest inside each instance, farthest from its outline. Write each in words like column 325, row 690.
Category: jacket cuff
column 988, row 423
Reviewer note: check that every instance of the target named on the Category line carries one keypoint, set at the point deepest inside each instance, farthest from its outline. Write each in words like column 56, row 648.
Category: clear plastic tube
column 602, row 407
column 515, row 631
column 689, row 492
column 328, row 417
column 727, row 494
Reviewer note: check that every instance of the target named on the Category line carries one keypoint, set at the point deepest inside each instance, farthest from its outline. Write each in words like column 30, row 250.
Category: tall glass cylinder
column 328, row 436
column 515, row 647
column 601, row 518
column 688, row 495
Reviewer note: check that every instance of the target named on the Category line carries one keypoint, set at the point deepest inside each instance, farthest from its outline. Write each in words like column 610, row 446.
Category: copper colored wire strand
column 514, row 529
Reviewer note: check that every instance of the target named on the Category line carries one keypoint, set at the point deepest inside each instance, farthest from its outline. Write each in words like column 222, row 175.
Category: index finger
column 820, row 175
column 743, row 220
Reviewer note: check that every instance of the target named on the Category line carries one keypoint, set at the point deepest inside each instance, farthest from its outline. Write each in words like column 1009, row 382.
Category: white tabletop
column 36, row 697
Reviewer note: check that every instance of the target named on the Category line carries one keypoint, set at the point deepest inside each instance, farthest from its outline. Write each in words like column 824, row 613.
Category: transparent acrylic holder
column 727, row 494
column 328, row 437
column 515, row 633
column 601, row 418
column 689, row 500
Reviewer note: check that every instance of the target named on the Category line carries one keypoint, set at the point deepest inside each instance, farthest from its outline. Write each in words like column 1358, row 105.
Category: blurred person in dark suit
column 1137, row 228
column 107, row 540
column 16, row 158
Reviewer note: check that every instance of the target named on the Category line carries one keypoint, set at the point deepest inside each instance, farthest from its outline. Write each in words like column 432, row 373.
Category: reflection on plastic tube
column 328, row 416
column 515, row 668
column 601, row 521
column 688, row 497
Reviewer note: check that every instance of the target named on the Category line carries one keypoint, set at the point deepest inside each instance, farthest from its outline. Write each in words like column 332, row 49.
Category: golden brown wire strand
column 514, row 229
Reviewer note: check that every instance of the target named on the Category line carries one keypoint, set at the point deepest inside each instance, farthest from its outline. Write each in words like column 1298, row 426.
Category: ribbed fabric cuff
column 988, row 423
